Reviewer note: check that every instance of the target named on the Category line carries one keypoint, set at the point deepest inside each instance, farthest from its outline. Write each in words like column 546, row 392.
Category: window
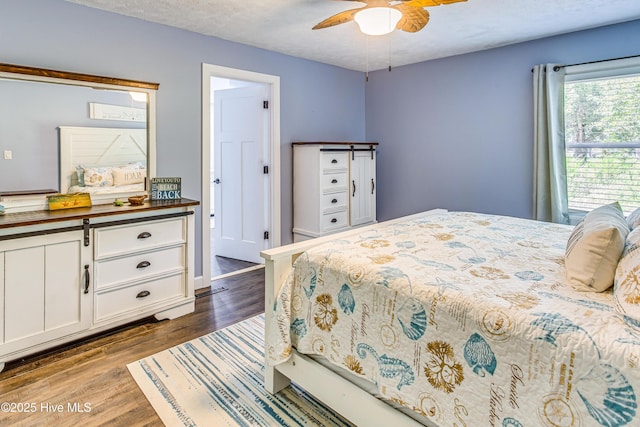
column 602, row 134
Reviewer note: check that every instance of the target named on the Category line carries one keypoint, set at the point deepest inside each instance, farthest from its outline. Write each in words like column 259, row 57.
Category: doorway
column 241, row 181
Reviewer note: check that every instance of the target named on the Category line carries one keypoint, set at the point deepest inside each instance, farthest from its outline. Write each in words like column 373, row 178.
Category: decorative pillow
column 80, row 169
column 633, row 219
column 126, row 176
column 594, row 248
column 80, row 174
column 98, row 177
column 626, row 286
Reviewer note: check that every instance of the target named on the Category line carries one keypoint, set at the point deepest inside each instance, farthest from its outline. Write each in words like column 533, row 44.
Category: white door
column 363, row 185
column 239, row 195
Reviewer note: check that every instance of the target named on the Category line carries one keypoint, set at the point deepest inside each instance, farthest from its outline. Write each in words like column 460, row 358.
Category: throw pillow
column 98, row 177
column 594, row 248
column 633, row 219
column 626, row 286
column 127, row 176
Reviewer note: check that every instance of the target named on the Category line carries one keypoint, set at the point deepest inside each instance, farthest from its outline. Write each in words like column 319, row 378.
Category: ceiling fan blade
column 428, row 3
column 413, row 18
column 338, row 18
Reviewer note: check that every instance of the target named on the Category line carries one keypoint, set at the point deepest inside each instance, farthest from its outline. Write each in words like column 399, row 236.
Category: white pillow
column 633, row 219
column 126, row 176
column 594, row 248
column 80, row 170
column 626, row 286
column 98, row 177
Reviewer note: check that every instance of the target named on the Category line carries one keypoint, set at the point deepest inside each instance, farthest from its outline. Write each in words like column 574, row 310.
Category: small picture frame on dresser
column 166, row 188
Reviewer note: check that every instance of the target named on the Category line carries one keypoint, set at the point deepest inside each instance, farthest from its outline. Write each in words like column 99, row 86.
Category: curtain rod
column 558, row 67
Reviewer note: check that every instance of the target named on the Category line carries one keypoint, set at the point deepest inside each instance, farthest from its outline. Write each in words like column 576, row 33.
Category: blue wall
column 318, row 101
column 457, row 132
column 454, row 133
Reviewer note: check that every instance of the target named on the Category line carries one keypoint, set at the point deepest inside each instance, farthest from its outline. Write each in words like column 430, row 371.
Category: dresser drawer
column 334, row 181
column 334, row 160
column 138, row 266
column 334, row 220
column 334, row 201
column 138, row 297
column 117, row 240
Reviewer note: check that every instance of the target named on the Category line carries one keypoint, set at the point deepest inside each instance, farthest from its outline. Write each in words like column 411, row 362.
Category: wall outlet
column 8, row 154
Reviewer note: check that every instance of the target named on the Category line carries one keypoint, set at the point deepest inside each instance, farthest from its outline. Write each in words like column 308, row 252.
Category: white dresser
column 334, row 187
column 72, row 273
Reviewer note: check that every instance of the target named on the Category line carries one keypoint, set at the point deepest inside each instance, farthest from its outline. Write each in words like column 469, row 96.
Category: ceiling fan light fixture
column 377, row 21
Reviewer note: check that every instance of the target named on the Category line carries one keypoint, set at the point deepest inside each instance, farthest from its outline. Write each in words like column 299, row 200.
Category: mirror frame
column 27, row 73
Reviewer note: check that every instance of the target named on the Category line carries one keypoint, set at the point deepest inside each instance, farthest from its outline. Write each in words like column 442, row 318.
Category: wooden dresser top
column 20, row 219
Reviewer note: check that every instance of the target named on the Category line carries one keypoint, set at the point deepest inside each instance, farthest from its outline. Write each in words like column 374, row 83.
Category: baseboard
column 235, row 273
column 198, row 283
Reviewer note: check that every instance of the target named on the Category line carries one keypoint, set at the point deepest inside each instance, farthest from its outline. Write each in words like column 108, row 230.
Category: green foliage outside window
column 602, row 134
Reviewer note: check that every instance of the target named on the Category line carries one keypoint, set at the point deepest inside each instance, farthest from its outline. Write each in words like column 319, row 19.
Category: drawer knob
column 144, row 235
column 334, row 161
column 334, row 201
column 334, row 220
column 334, row 181
column 143, row 264
column 143, row 294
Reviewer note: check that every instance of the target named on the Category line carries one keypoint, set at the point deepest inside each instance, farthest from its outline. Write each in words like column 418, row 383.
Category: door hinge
column 85, row 228
column 265, row 104
column 266, row 235
column 265, row 169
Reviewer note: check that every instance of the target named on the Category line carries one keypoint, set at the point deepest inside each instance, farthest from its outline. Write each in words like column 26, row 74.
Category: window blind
column 602, row 139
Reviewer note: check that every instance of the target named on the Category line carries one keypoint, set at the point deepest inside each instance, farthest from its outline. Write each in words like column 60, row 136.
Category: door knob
column 216, row 181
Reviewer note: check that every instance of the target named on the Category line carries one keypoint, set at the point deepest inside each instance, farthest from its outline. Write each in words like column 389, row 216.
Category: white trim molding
column 273, row 82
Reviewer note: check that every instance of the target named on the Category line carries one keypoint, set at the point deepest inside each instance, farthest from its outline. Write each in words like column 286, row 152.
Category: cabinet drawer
column 138, row 266
column 116, row 240
column 334, row 201
column 335, row 160
column 334, row 220
column 334, row 181
column 132, row 298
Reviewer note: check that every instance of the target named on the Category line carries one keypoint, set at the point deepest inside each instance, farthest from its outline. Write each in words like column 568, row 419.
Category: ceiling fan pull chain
column 366, row 74
column 389, row 52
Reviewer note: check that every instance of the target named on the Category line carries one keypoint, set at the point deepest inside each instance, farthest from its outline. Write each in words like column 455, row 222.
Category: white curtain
column 549, row 167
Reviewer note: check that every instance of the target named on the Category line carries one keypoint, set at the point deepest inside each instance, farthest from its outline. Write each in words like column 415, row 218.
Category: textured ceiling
column 285, row 26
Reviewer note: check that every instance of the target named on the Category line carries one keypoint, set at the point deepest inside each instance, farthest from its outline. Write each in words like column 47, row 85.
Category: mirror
column 68, row 132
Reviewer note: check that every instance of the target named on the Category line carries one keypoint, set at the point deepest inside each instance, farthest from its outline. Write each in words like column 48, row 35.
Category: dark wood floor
column 222, row 265
column 94, row 372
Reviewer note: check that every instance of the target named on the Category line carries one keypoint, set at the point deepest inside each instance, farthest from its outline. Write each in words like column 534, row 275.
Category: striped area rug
column 217, row 380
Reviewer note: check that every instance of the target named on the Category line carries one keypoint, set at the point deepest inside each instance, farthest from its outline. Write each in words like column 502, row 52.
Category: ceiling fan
column 412, row 17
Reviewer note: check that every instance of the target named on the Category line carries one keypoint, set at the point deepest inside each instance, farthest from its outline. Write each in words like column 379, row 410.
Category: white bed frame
column 104, row 147
column 347, row 399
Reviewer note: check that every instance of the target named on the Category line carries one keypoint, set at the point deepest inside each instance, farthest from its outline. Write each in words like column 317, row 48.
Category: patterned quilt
column 467, row 320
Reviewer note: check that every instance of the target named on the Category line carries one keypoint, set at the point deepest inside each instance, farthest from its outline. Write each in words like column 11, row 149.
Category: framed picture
column 166, row 188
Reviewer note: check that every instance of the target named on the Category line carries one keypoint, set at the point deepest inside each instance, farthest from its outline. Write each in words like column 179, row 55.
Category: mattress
column 465, row 319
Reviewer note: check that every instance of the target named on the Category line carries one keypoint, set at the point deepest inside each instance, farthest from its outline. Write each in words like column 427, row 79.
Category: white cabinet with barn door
column 44, row 289
column 68, row 274
column 363, row 188
column 334, row 187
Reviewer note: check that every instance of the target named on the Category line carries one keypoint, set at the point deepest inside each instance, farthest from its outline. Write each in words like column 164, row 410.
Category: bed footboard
column 344, row 397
